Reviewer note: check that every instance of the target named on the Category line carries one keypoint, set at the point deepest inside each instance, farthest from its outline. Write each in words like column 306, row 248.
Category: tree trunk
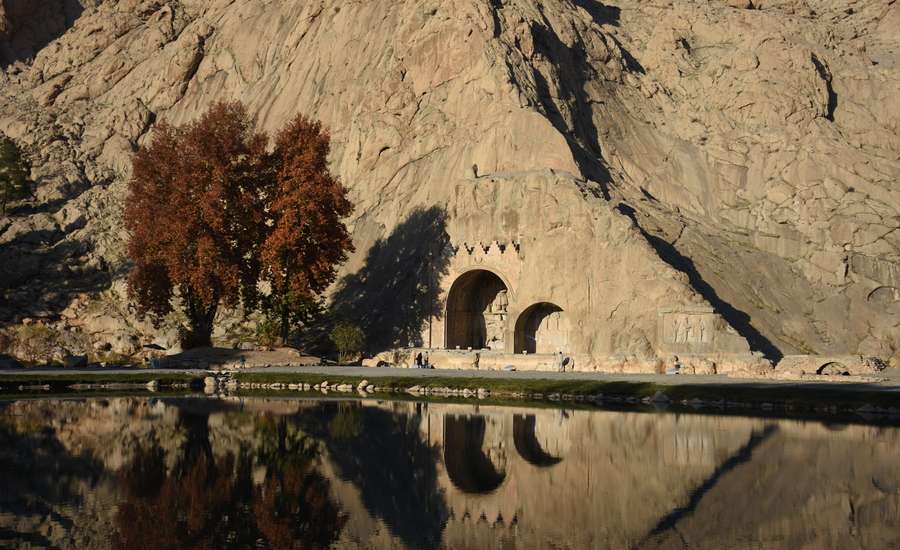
column 201, row 321
column 284, row 323
column 203, row 327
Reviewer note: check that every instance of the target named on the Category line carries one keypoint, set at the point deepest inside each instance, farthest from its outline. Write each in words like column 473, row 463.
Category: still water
column 267, row 473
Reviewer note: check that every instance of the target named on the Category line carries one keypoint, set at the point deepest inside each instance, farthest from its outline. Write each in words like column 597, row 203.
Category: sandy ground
column 206, row 358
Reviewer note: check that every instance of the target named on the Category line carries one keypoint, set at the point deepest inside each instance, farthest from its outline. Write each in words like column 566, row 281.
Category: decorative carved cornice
column 492, row 248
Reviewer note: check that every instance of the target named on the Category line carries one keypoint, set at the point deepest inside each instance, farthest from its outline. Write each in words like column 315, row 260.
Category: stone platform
column 738, row 365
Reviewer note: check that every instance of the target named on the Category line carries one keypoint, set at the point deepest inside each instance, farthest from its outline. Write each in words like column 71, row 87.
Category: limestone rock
column 846, row 365
column 686, row 156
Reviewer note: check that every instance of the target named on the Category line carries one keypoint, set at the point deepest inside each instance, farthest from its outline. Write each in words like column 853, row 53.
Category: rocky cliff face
column 754, row 145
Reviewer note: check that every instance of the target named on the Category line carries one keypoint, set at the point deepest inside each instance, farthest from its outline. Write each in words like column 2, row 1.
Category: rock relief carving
column 689, row 328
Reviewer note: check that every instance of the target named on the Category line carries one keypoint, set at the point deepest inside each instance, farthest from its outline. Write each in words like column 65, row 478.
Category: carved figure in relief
column 679, row 329
column 500, row 303
column 704, row 329
column 689, row 329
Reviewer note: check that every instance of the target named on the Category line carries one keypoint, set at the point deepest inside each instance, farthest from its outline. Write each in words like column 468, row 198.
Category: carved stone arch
column 833, row 368
column 477, row 310
column 542, row 328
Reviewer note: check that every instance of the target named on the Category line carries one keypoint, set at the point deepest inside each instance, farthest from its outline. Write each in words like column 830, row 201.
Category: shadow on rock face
column 40, row 273
column 29, row 25
column 602, row 14
column 739, row 320
column 397, row 291
column 609, row 15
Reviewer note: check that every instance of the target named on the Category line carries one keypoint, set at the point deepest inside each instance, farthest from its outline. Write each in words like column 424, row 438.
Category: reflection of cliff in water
column 393, row 475
column 64, row 480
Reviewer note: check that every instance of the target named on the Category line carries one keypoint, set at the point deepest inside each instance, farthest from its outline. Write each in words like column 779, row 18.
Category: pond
column 305, row 473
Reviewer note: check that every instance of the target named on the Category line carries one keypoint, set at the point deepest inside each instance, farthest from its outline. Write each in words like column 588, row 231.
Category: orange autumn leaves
column 212, row 211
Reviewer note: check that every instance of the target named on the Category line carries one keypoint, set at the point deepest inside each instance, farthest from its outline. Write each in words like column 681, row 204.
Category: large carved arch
column 476, row 315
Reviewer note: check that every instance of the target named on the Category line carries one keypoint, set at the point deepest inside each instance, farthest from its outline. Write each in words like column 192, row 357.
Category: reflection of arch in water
column 476, row 311
column 470, row 470
column 527, row 444
column 542, row 328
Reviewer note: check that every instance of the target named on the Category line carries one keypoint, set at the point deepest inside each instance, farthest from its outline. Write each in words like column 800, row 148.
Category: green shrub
column 349, row 340
column 268, row 332
column 13, row 173
column 302, row 321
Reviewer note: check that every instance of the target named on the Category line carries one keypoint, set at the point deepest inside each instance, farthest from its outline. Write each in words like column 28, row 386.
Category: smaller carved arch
column 833, row 368
column 541, row 328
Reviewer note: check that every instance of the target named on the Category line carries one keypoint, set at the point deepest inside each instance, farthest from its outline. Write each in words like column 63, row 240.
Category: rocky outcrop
column 27, row 26
column 767, row 156
column 753, row 146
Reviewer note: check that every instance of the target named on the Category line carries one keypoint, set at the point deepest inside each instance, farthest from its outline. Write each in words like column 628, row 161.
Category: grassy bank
column 800, row 397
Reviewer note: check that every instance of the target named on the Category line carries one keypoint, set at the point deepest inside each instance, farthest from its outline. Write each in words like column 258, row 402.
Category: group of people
column 421, row 361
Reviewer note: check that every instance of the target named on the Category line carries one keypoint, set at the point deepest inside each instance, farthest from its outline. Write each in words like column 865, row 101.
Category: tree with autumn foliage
column 307, row 239
column 211, row 213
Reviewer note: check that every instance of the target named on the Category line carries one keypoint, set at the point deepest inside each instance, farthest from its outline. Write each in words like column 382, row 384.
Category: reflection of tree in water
column 206, row 502
column 29, row 446
column 391, row 465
